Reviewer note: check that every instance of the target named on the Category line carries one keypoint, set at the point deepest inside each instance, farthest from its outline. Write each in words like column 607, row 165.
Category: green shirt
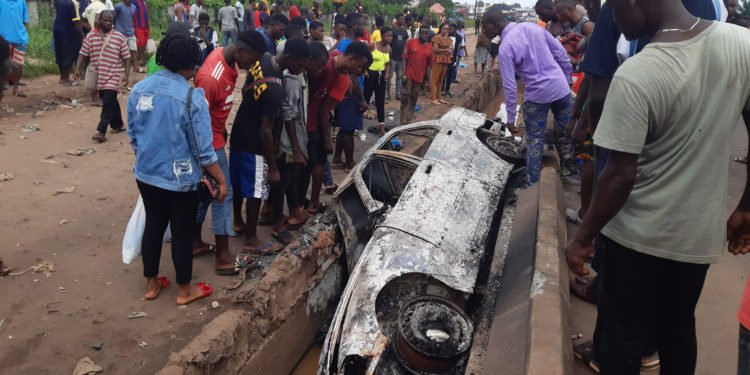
column 677, row 105
column 152, row 67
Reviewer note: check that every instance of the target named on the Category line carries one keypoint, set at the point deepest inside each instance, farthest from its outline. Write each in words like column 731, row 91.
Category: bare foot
column 257, row 246
column 188, row 293
column 154, row 285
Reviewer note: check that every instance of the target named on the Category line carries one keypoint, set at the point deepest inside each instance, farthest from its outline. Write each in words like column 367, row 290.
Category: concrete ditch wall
column 275, row 319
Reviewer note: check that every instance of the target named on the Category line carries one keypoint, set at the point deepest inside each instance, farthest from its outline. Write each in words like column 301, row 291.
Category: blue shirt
column 270, row 43
column 601, row 54
column 168, row 153
column 14, row 15
column 343, row 44
column 124, row 19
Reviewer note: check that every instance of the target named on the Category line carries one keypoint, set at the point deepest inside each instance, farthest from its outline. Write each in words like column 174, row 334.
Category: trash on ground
column 47, row 267
column 31, row 128
column 215, row 305
column 6, row 176
column 86, row 366
column 97, row 345
column 67, row 189
column 81, row 151
column 63, row 222
column 137, row 315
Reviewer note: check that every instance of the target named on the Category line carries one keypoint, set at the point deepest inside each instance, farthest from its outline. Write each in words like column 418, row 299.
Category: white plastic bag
column 131, row 243
column 150, row 47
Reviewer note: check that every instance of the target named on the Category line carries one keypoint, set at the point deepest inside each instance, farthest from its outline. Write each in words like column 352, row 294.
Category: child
column 207, row 38
column 482, row 53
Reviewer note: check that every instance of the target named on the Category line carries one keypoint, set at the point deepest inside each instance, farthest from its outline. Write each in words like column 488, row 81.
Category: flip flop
column 204, row 251
column 585, row 352
column 240, row 262
column 267, row 248
column 206, row 289
column 163, row 283
column 321, row 209
column 99, row 138
column 284, row 237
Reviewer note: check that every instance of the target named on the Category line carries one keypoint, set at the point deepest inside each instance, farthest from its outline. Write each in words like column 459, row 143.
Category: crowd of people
column 641, row 128
column 642, row 138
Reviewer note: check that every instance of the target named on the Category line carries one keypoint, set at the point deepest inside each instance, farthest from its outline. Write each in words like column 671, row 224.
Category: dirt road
column 48, row 323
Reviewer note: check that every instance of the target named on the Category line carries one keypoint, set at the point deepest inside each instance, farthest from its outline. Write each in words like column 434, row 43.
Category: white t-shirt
column 195, row 11
column 676, row 106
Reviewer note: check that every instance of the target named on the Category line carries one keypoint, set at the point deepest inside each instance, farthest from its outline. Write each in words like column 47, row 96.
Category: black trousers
column 450, row 77
column 375, row 84
column 646, row 299
column 111, row 114
column 289, row 187
column 178, row 209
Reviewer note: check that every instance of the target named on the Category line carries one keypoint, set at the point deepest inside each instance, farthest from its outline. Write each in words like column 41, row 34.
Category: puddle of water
column 309, row 364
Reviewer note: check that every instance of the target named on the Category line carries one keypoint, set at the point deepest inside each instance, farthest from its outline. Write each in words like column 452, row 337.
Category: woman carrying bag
column 170, row 131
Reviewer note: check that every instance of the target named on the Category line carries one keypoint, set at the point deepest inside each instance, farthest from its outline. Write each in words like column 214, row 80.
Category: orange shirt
column 542, row 24
column 439, row 41
column 744, row 314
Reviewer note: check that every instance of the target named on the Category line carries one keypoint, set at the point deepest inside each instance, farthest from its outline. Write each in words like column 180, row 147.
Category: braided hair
column 177, row 52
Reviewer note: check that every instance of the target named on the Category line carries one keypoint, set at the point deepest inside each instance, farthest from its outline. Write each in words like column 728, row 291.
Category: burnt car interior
column 386, row 178
column 413, row 142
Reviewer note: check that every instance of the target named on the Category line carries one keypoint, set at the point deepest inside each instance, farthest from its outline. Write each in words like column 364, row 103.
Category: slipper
column 206, row 289
column 585, row 352
column 267, row 248
column 117, row 130
column 581, row 288
column 741, row 159
column 99, row 137
column 240, row 262
column 321, row 209
column 163, row 283
column 206, row 250
column 284, row 237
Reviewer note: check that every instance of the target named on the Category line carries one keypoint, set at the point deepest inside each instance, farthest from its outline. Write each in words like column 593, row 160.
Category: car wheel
column 507, row 149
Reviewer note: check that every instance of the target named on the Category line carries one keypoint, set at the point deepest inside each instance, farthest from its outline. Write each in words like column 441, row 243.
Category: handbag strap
column 104, row 45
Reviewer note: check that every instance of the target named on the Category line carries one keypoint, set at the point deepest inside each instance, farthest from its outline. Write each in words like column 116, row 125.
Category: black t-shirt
column 456, row 47
column 399, row 42
column 264, row 99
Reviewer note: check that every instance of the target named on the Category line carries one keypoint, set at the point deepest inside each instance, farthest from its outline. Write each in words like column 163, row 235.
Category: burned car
column 416, row 216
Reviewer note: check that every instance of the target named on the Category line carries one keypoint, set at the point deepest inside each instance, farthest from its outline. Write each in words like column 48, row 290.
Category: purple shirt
column 539, row 59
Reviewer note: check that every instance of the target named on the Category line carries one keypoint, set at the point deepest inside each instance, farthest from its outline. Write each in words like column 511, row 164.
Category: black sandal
column 585, row 352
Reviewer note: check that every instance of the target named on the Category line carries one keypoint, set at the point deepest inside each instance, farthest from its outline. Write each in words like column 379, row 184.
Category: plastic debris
column 86, row 366
column 67, row 189
column 137, row 315
column 6, row 176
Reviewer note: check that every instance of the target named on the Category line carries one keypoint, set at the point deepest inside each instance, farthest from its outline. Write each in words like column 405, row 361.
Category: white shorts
column 132, row 44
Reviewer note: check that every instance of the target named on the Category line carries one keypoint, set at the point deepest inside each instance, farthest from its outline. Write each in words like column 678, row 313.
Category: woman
column 377, row 75
column 68, row 37
column 481, row 53
column 262, row 11
column 172, row 143
column 442, row 46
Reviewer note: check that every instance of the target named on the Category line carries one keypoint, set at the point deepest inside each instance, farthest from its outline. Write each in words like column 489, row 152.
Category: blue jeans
column 398, row 67
column 327, row 174
column 743, row 364
column 221, row 213
column 535, row 118
column 225, row 35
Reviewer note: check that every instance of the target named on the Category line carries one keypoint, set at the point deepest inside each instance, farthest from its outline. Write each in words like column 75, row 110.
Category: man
column 249, row 16
column 417, row 57
column 195, row 11
column 645, row 215
column 478, row 24
column 124, row 17
column 273, row 30
column 15, row 18
column 106, row 50
column 400, row 37
column 218, row 77
column 142, row 32
column 453, row 67
column 577, row 23
column 602, row 60
column 318, row 34
column 240, row 6
column 291, row 31
column 545, row 69
column 547, row 12
column 206, row 35
column 253, row 147
column 327, row 89
column 228, row 18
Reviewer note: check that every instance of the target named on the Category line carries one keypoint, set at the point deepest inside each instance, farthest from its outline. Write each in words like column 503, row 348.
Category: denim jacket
column 164, row 146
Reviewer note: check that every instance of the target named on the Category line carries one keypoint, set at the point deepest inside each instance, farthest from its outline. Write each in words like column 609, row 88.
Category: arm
column 203, row 138
column 560, row 55
column 510, row 87
column 612, row 191
column 83, row 58
column 597, row 93
column 587, row 28
column 738, row 225
column 324, row 122
column 266, row 135
column 578, row 107
column 290, row 109
column 125, row 56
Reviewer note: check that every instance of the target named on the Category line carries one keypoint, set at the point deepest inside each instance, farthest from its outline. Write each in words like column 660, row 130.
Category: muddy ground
column 71, row 212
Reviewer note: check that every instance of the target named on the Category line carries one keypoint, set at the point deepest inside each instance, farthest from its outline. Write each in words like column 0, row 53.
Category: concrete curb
column 550, row 344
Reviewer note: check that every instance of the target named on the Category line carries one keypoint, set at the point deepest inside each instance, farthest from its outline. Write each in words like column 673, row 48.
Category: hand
column 274, row 177
column 299, row 158
column 738, row 232
column 222, row 192
column 576, row 254
column 328, row 146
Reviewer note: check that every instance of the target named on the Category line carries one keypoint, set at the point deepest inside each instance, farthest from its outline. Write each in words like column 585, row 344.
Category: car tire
column 507, row 149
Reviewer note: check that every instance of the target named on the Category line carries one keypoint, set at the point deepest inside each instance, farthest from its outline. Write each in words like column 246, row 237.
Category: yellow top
column 375, row 37
column 379, row 59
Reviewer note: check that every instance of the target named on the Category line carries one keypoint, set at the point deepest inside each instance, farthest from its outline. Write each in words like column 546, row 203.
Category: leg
column 400, row 65
column 109, row 100
column 183, row 208
column 348, row 148
column 406, row 109
column 278, row 192
column 234, row 36
column 237, row 199
column 370, row 83
column 678, row 289
column 535, row 117
column 743, row 363
column 199, row 246
column 435, row 82
column 561, row 111
column 224, row 38
column 157, row 217
column 221, row 219
column 380, row 98
column 116, row 124
column 391, row 69
column 294, row 196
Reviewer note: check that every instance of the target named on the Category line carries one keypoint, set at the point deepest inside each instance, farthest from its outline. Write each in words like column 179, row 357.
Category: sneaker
column 573, row 216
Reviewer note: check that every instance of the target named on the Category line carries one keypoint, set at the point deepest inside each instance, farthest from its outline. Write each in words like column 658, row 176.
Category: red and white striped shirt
column 109, row 66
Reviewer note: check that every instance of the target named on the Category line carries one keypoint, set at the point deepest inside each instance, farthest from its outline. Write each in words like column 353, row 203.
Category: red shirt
column 418, row 57
column 329, row 83
column 294, row 12
column 218, row 79
column 744, row 314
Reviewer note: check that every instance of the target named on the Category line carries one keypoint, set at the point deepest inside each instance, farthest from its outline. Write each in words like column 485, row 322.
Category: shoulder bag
column 92, row 73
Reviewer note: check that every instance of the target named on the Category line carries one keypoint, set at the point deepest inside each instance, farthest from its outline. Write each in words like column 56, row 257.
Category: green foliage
column 40, row 59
